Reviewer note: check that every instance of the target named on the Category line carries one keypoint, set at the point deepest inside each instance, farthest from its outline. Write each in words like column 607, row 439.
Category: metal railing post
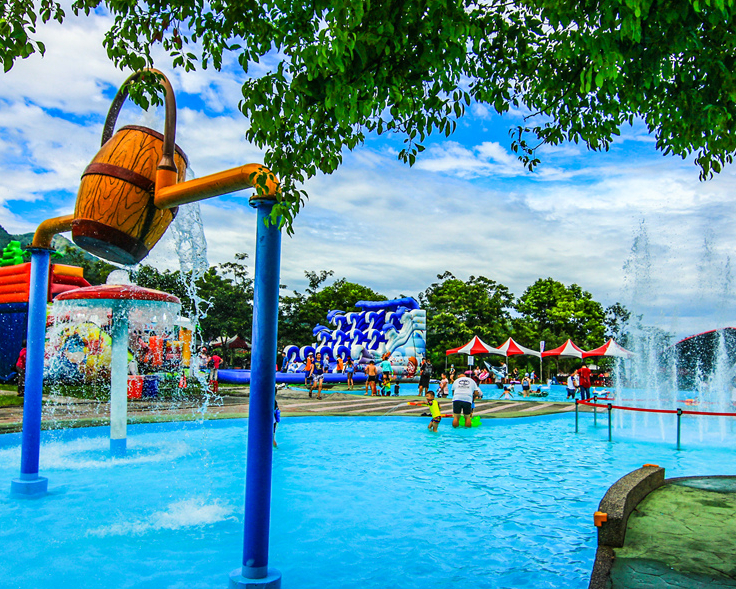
column 679, row 416
column 610, row 410
column 595, row 411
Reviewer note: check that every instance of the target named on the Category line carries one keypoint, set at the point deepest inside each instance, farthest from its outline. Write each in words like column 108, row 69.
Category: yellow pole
column 47, row 229
column 217, row 184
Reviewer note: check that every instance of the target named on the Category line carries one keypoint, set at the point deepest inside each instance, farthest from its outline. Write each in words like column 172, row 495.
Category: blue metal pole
column 255, row 571
column 29, row 483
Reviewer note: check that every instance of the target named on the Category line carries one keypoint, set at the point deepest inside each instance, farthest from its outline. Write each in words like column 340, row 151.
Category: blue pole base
column 29, row 488
column 118, row 448
column 271, row 581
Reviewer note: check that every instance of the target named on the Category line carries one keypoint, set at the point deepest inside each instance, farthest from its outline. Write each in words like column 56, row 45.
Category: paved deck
column 64, row 411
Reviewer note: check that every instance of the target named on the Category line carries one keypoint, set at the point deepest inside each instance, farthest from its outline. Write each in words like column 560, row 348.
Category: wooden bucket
column 114, row 217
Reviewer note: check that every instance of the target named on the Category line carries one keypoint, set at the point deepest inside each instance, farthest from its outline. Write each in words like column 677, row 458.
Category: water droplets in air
column 654, row 378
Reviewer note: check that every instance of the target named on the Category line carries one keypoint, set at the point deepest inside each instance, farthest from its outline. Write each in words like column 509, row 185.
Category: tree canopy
column 551, row 312
column 301, row 312
column 457, row 310
column 345, row 68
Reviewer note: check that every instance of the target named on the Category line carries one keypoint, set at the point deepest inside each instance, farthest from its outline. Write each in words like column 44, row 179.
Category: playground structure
column 127, row 198
column 121, row 305
column 79, row 346
column 395, row 330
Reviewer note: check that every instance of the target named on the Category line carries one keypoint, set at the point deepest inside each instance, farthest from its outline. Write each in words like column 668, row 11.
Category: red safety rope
column 646, row 410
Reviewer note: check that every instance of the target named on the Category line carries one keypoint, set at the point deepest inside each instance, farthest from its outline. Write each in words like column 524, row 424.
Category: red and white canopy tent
column 610, row 349
column 511, row 348
column 566, row 350
column 473, row 347
column 231, row 343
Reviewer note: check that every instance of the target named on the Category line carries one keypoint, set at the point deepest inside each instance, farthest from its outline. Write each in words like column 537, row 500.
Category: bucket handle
column 167, row 160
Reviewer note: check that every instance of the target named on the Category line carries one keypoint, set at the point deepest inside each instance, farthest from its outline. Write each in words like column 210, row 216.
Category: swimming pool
column 358, row 502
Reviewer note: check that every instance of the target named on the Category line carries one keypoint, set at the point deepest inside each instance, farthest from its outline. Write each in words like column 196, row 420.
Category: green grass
column 10, row 401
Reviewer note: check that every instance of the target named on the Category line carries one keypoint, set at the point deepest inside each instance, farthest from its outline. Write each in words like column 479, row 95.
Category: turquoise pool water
column 358, row 502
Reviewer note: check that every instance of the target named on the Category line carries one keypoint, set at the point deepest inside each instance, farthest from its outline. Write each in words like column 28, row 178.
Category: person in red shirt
column 584, row 374
column 20, row 366
column 214, row 365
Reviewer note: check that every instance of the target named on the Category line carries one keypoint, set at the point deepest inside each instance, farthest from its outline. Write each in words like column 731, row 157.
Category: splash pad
column 123, row 303
column 128, row 197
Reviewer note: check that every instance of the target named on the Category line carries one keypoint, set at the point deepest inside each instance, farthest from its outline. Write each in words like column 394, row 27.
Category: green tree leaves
column 552, row 312
column 346, row 68
column 457, row 310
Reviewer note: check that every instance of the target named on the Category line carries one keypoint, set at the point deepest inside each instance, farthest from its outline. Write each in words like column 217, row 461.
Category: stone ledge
column 622, row 498
column 600, row 578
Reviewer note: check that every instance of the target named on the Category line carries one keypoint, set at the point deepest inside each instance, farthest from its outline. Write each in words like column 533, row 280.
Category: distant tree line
column 456, row 309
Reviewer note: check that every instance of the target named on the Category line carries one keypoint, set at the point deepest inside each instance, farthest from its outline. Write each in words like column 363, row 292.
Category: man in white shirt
column 462, row 400
column 570, row 387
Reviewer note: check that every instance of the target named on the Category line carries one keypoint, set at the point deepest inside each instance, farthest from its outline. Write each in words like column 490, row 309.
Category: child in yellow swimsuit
column 434, row 409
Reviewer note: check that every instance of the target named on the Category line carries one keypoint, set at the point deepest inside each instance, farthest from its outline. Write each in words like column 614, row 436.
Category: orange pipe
column 50, row 227
column 217, row 184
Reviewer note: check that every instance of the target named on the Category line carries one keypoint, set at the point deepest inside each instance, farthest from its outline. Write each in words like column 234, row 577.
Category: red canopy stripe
column 473, row 347
column 611, row 349
column 568, row 349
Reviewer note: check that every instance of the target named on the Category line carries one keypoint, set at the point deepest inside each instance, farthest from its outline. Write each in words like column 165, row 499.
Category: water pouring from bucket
column 124, row 303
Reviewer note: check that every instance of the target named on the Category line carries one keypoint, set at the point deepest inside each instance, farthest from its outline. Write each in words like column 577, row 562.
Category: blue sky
column 467, row 206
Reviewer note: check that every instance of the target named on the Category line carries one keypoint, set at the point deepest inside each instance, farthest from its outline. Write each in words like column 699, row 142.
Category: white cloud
column 486, row 159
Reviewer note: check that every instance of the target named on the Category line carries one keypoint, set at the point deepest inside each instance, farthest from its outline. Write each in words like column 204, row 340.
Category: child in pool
column 434, row 410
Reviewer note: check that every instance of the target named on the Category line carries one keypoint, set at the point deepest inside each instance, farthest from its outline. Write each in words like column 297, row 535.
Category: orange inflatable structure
column 14, row 281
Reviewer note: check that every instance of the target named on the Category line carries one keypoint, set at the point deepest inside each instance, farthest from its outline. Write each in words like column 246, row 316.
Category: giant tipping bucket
column 115, row 217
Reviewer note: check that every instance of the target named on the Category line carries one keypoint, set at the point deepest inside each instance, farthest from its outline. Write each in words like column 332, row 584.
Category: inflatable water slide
column 395, row 330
